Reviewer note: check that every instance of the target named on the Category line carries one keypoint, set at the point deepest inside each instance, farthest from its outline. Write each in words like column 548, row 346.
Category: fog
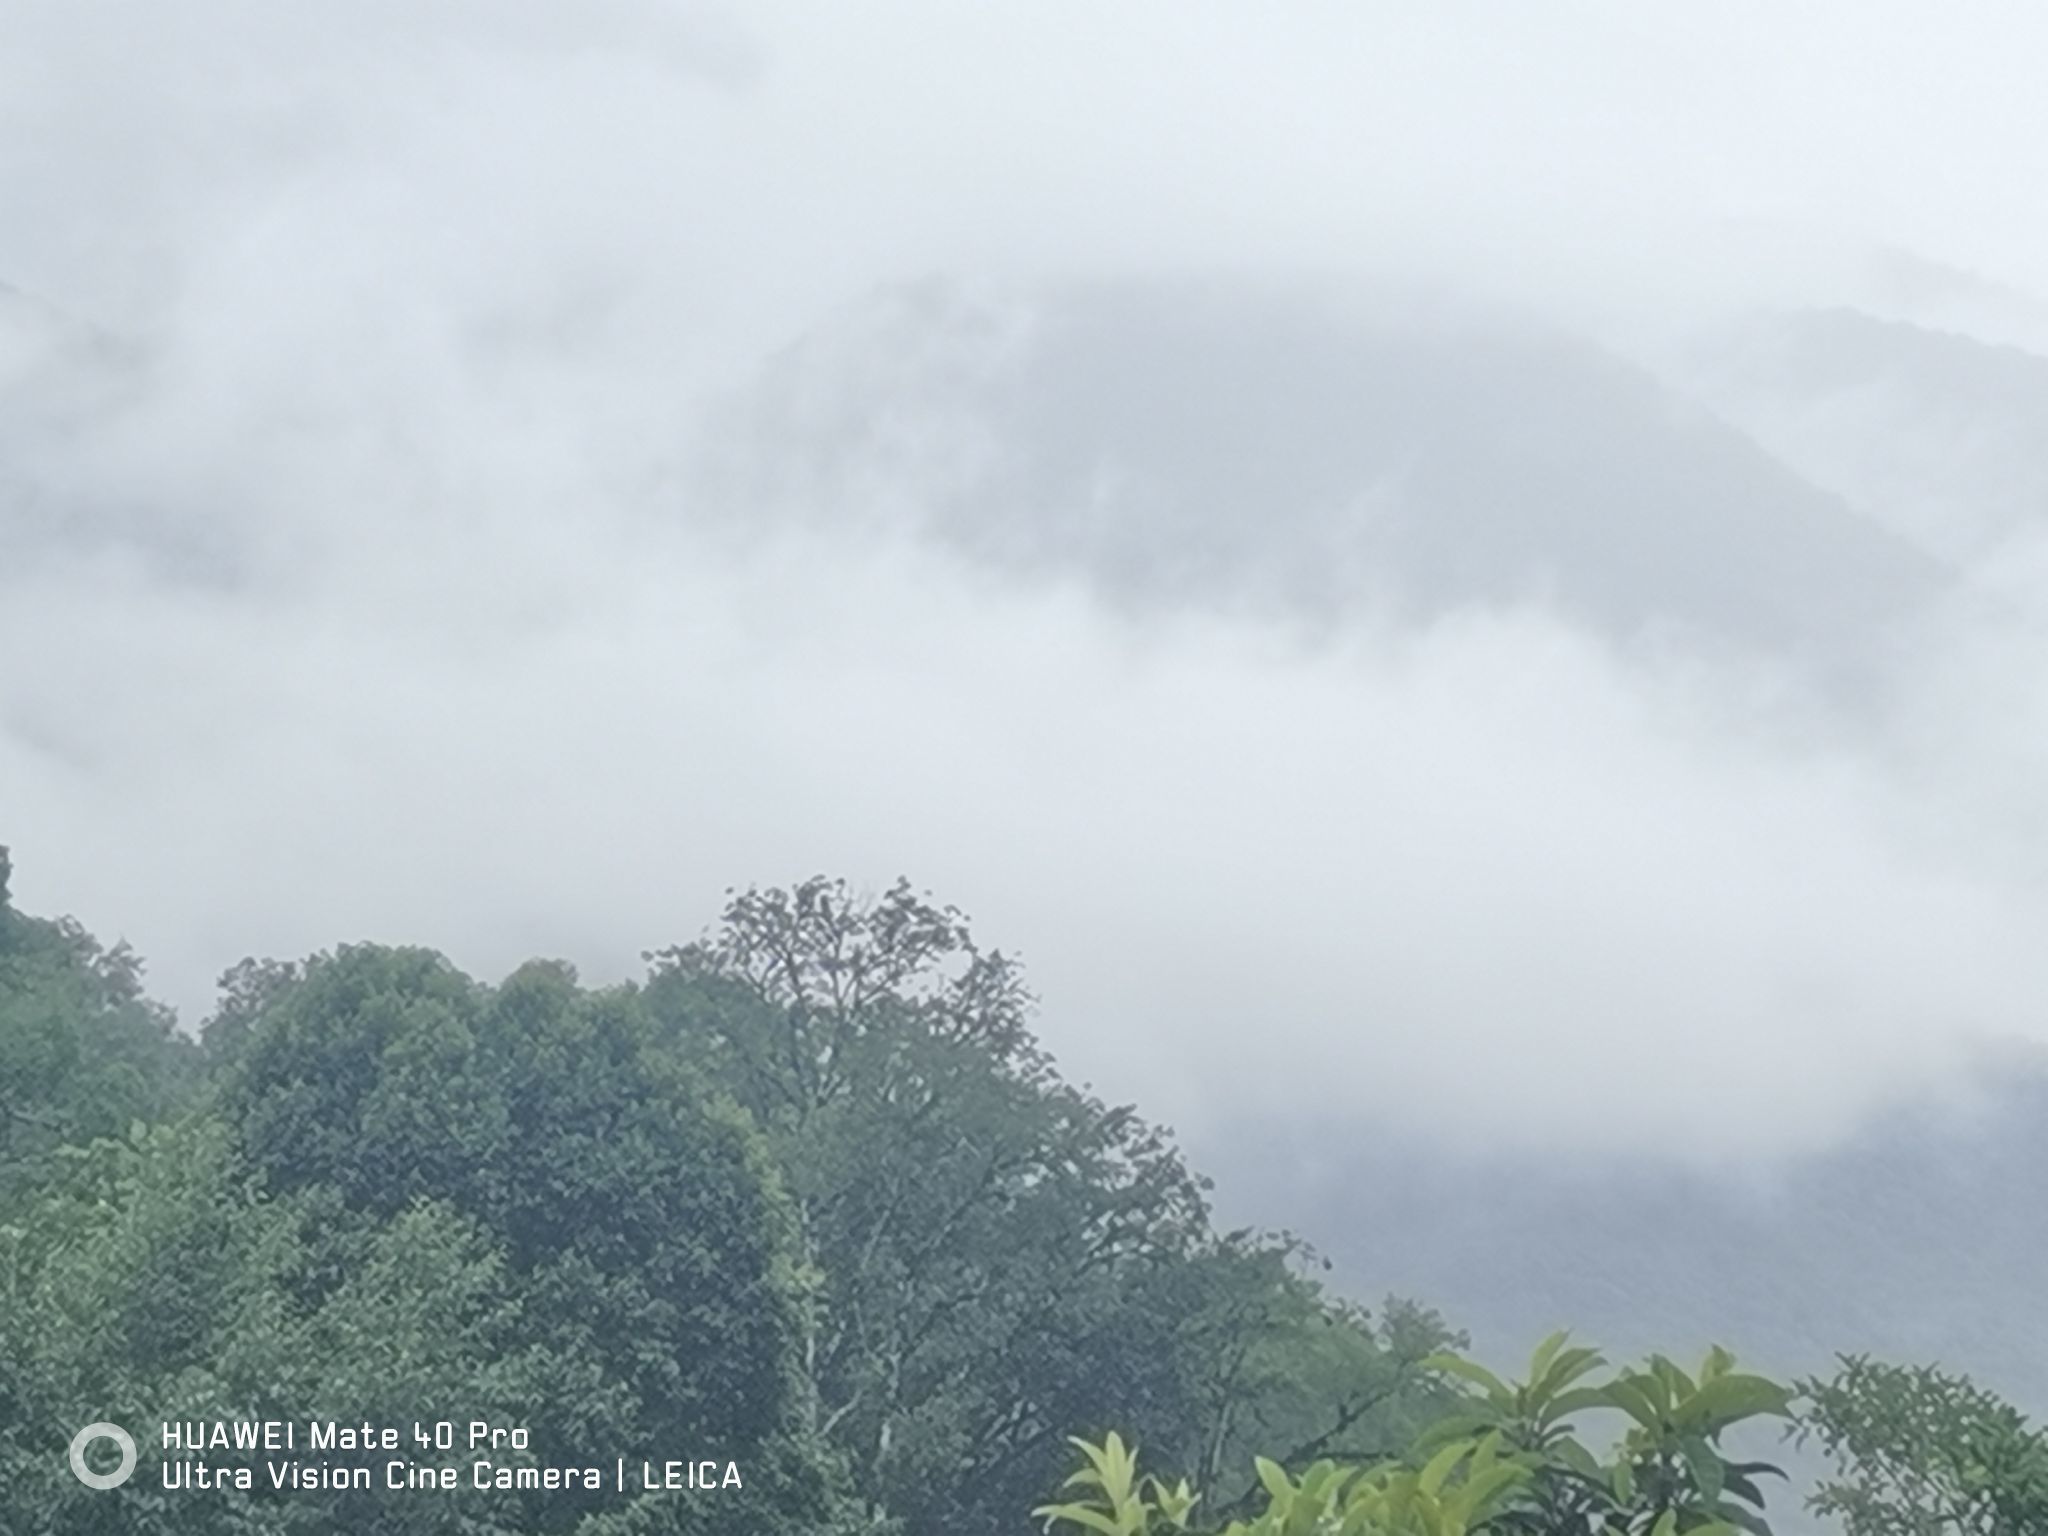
column 496, row 476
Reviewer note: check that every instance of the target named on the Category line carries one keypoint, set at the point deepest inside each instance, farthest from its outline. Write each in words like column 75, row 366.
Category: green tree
column 1921, row 1452
column 645, row 1240
column 1002, row 1259
column 82, row 1050
column 150, row 1280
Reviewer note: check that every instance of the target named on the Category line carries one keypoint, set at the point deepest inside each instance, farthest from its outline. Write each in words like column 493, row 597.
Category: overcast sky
column 361, row 575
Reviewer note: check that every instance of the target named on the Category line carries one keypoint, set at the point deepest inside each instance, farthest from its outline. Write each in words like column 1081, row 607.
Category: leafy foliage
column 644, row 1241
column 150, row 1280
column 1508, row 1460
column 960, row 1204
column 1925, row 1453
column 813, row 1198
column 82, row 1051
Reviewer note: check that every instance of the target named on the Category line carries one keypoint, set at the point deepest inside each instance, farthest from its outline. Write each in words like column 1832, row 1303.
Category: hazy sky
column 357, row 578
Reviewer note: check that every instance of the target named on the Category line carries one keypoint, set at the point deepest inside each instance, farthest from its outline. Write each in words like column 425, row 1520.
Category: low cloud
column 362, row 576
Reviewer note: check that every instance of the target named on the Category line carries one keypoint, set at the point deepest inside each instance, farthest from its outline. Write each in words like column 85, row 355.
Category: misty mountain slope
column 1218, row 444
column 1942, row 435
column 1920, row 1239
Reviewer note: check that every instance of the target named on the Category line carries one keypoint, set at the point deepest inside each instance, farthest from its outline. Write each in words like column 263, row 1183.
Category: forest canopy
column 809, row 1200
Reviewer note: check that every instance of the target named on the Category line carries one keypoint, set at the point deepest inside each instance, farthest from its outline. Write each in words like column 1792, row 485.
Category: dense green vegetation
column 1506, row 1459
column 809, row 1199
column 1923, row 1452
column 1919, row 1453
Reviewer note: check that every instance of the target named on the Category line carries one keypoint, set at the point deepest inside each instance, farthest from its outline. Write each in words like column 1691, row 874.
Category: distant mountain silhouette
column 1942, row 435
column 1921, row 1239
column 1218, row 443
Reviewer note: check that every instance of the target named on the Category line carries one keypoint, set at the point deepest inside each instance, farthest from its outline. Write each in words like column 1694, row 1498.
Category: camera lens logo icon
column 121, row 1438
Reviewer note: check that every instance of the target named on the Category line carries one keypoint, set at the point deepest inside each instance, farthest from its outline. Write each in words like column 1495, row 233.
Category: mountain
column 1920, row 1239
column 1222, row 444
column 1941, row 434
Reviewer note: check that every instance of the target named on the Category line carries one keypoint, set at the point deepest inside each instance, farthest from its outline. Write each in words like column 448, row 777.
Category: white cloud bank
column 352, row 588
